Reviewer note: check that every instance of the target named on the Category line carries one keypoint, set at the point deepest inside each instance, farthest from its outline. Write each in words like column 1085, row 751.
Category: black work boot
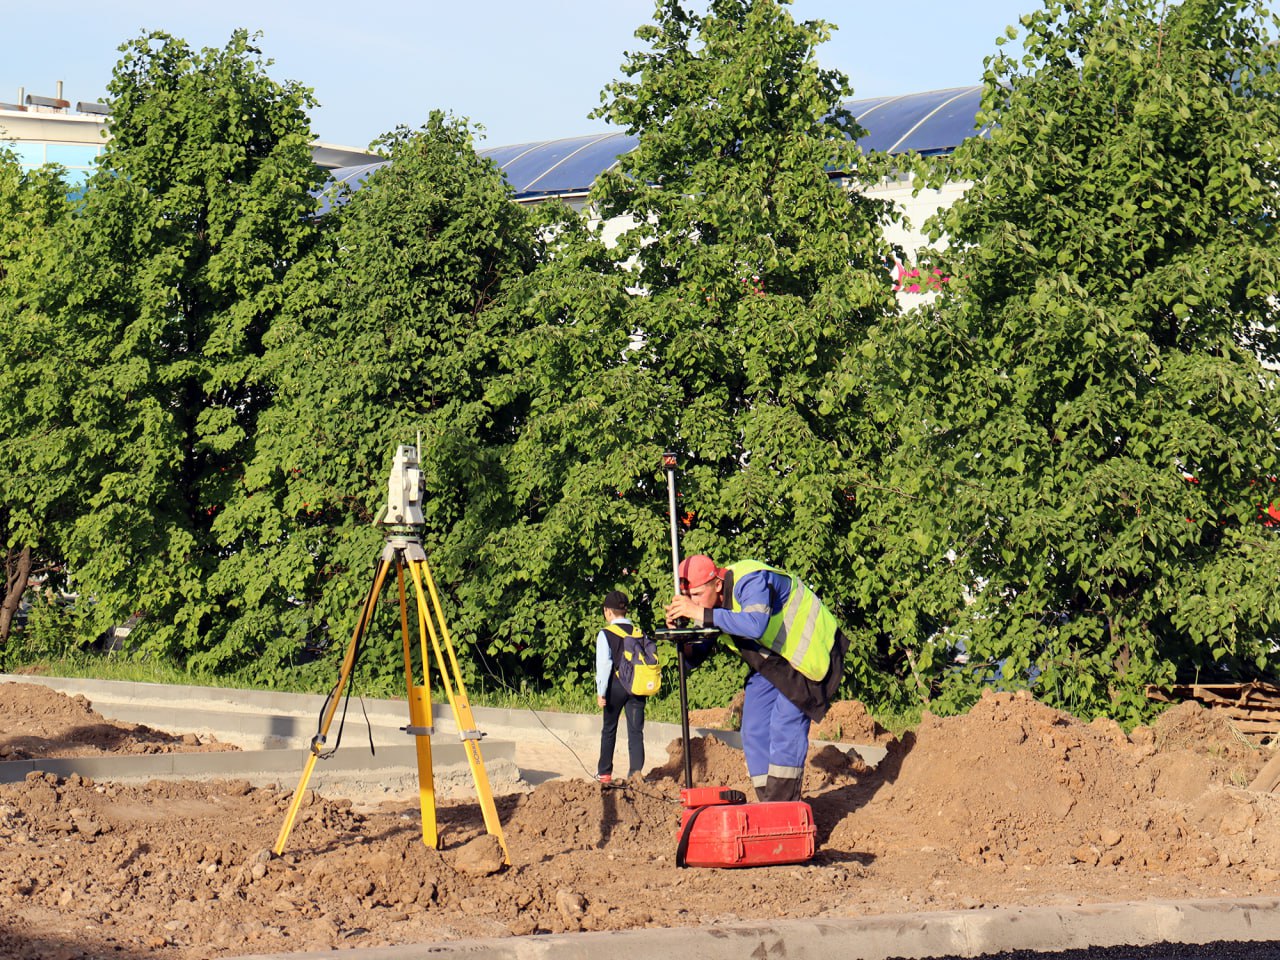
column 778, row 789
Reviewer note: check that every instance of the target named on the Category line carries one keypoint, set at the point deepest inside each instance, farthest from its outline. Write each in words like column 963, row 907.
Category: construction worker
column 612, row 697
column 793, row 645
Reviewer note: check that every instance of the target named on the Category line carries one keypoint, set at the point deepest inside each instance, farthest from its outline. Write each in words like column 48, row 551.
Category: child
column 610, row 695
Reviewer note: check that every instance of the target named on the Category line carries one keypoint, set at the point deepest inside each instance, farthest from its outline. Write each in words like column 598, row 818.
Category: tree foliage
column 40, row 470
column 389, row 333
column 1087, row 427
column 1060, row 468
column 720, row 325
column 183, row 236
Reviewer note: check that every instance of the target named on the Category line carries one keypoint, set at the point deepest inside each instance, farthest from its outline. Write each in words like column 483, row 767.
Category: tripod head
column 402, row 516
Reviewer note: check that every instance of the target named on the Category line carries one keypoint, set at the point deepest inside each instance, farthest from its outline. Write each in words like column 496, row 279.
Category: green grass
column 112, row 668
column 898, row 722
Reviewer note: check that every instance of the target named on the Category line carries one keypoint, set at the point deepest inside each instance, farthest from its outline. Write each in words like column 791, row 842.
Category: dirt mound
column 1017, row 782
column 1188, row 726
column 848, row 721
column 630, row 819
column 1014, row 783
column 720, row 718
column 40, row 722
column 1012, row 804
column 711, row 761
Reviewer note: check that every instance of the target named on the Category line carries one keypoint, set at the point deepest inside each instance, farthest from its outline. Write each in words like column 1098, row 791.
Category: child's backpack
column 635, row 661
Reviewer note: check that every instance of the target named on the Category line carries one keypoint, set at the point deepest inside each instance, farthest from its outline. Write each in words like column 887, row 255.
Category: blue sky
column 528, row 70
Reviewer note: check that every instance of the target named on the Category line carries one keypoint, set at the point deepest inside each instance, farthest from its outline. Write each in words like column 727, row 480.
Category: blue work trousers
column 775, row 733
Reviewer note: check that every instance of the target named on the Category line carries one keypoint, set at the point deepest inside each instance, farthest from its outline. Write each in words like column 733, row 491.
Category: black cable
column 522, row 696
column 366, row 619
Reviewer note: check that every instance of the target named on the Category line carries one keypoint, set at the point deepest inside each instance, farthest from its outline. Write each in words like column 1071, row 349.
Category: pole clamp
column 419, row 731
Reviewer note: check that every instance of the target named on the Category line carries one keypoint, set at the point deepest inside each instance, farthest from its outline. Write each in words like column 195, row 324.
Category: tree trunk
column 17, row 571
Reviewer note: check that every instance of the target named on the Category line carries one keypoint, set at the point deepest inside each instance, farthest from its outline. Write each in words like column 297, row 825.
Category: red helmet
column 697, row 570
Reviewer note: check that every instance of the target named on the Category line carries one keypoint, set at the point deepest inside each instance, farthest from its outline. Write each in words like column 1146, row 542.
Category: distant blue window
column 78, row 155
column 29, row 154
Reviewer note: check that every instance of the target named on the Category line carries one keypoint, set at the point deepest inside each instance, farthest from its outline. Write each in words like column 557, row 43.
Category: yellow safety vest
column 802, row 632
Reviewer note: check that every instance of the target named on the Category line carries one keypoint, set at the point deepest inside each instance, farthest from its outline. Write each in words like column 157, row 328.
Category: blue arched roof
column 929, row 123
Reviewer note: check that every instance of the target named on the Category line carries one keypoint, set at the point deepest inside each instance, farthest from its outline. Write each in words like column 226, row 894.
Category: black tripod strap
column 682, row 847
column 362, row 630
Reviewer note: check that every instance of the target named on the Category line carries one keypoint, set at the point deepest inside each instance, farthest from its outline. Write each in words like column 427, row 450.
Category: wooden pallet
column 1253, row 708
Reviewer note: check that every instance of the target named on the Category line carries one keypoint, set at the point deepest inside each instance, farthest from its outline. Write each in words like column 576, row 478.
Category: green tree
column 40, row 467
column 390, row 332
column 1088, row 413
column 201, row 201
column 723, row 324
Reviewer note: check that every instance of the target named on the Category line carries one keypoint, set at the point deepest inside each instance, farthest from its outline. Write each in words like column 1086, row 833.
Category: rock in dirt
column 480, row 857
column 572, row 906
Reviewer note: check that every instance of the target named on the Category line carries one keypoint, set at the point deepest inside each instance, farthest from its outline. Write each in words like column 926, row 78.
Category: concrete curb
column 970, row 933
column 279, row 719
column 294, row 709
column 284, row 721
column 289, row 719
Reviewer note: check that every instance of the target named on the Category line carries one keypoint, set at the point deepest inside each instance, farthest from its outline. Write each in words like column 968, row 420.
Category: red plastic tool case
column 749, row 834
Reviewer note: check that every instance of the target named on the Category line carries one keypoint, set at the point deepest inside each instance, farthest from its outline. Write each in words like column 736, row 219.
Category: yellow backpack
column 635, row 661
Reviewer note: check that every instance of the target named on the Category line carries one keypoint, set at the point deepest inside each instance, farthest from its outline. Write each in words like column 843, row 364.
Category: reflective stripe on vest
column 802, row 632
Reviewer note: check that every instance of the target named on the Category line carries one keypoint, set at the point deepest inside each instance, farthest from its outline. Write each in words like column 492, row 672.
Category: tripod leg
column 462, row 715
column 348, row 664
column 419, row 719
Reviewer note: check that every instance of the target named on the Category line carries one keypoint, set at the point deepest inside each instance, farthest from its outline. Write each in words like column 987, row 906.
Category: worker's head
column 701, row 580
column 615, row 604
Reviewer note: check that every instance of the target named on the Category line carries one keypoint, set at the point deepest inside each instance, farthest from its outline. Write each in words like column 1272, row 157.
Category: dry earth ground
column 1012, row 804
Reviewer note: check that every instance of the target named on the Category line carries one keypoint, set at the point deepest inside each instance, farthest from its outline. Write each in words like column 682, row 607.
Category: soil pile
column 1015, row 784
column 1014, row 803
column 39, row 722
column 848, row 721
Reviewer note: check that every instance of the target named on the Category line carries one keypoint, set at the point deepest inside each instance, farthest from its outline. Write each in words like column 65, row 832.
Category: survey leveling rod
column 669, row 461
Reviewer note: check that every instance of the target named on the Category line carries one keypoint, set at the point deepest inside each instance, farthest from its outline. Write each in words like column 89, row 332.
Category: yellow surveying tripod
column 402, row 519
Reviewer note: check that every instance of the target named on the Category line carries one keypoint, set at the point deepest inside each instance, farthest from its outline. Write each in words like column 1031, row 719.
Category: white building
column 43, row 129
column 931, row 124
column 50, row 129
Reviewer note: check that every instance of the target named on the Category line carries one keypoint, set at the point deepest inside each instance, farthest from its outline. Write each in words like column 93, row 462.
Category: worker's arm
column 604, row 663
column 754, row 593
column 753, row 596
